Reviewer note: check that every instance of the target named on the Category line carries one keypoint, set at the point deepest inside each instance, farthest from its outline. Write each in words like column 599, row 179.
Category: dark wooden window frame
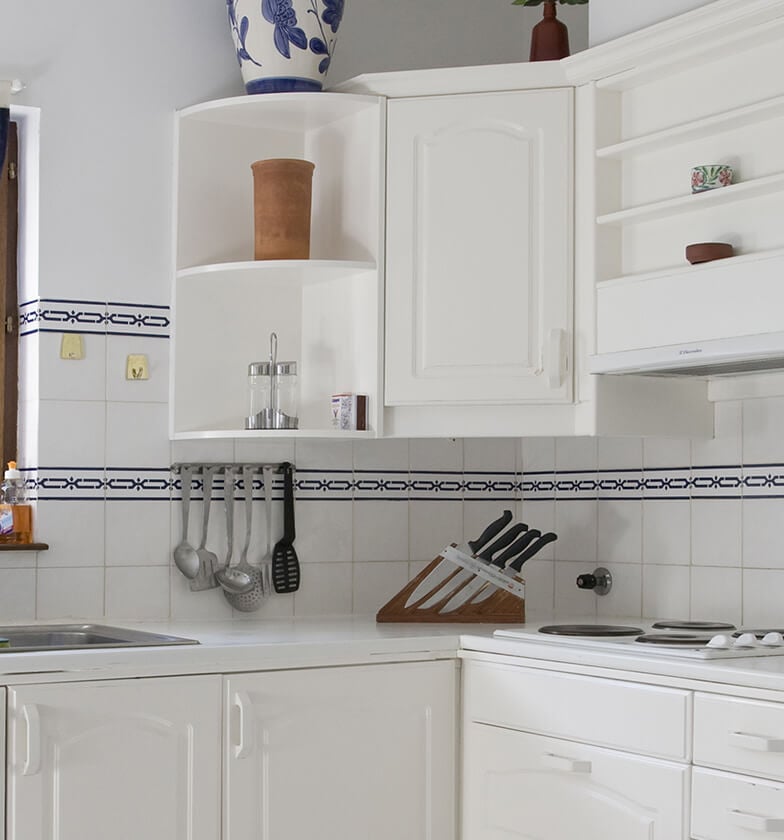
column 9, row 300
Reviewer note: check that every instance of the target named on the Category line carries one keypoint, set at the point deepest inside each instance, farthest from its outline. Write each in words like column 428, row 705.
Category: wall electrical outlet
column 137, row 367
column 72, row 346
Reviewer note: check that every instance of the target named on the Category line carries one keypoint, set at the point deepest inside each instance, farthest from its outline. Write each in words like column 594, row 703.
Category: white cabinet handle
column 33, row 747
column 245, row 724
column 759, row 743
column 756, row 822
column 557, row 361
column 562, row 762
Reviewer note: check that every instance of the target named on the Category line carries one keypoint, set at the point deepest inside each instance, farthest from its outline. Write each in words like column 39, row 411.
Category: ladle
column 185, row 557
column 208, row 560
column 231, row 578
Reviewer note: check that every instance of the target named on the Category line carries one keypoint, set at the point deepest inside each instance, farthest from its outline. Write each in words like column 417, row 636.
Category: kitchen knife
column 468, row 591
column 457, row 581
column 514, row 567
column 445, row 568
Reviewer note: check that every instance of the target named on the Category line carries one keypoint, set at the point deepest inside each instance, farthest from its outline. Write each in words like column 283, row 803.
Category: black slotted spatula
column 285, row 563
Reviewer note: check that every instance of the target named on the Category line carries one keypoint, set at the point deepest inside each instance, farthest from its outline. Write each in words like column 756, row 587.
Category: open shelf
column 270, row 434
column 287, row 271
column 695, row 201
column 707, row 126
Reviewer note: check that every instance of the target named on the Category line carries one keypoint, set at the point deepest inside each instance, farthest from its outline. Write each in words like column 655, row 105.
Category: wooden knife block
column 500, row 608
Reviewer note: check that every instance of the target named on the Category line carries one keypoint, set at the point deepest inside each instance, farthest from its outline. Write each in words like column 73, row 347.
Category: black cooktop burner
column 590, row 630
column 673, row 639
column 760, row 633
column 692, row 625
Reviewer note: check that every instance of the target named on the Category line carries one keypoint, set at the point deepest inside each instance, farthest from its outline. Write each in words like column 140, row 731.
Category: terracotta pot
column 281, row 208
column 550, row 37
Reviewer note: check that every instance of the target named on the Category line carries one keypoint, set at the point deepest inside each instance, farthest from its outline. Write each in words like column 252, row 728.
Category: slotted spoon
column 251, row 599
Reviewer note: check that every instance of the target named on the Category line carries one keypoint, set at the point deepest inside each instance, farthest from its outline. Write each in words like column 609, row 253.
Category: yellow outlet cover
column 137, row 367
column 72, row 346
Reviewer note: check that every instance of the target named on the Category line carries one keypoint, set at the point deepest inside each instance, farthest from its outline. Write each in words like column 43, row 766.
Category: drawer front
column 737, row 734
column 728, row 807
column 529, row 787
column 611, row 713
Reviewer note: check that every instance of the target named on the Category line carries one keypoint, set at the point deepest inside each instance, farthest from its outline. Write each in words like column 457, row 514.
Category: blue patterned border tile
column 579, row 484
column 494, row 486
column 538, row 486
column 62, row 316
column 135, row 483
column 70, row 483
column 392, row 485
column 140, row 319
column 716, row 483
column 331, row 485
column 667, row 483
column 620, row 484
column 763, row 481
column 431, row 484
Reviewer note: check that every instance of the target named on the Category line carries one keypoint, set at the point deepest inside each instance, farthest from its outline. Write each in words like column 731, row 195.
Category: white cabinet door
column 479, row 257
column 524, row 786
column 119, row 760
column 341, row 753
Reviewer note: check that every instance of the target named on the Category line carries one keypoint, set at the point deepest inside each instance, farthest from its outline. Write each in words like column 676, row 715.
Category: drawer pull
column 562, row 762
column 755, row 822
column 758, row 743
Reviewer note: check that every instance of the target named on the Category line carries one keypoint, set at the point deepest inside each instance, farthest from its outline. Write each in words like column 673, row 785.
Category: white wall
column 107, row 78
column 610, row 19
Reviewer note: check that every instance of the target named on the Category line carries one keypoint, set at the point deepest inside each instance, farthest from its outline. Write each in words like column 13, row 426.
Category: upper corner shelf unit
column 326, row 311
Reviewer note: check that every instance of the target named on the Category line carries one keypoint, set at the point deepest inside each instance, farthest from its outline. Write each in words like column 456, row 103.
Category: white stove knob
column 721, row 641
column 772, row 639
column 746, row 640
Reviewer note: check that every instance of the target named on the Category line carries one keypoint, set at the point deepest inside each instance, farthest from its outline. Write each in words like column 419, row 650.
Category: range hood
column 716, row 357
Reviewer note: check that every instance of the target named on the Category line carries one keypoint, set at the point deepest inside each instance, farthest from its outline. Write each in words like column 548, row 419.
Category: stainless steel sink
column 79, row 636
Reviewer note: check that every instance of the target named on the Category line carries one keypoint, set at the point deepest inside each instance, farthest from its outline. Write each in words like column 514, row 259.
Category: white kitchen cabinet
column 479, row 262
column 535, row 762
column 121, row 759
column 327, row 311
column 683, row 101
column 517, row 785
column 350, row 753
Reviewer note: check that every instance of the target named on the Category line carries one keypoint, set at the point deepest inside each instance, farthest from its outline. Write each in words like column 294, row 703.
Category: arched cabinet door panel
column 479, row 257
column 125, row 759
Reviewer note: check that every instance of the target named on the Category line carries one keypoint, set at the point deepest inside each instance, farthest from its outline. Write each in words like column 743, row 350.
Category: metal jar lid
column 281, row 369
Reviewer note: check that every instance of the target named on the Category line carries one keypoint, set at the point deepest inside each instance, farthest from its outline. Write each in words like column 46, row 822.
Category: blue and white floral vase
column 284, row 45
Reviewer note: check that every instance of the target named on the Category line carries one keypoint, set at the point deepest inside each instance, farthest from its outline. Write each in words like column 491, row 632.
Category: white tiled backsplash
column 687, row 528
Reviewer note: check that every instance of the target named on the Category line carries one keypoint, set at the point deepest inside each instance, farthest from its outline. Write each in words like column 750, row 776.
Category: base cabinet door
column 517, row 785
column 341, row 753
column 479, row 258
column 119, row 760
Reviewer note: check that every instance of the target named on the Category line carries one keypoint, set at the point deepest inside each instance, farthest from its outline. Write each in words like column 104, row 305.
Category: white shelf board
column 303, row 111
column 693, row 203
column 740, row 261
column 705, row 127
column 270, row 434
column 305, row 272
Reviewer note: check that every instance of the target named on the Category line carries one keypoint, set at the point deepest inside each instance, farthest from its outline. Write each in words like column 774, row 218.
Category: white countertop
column 226, row 647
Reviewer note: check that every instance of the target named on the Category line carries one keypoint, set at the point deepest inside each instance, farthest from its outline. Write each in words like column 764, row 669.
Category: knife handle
column 516, row 547
column 502, row 542
column 491, row 531
column 547, row 538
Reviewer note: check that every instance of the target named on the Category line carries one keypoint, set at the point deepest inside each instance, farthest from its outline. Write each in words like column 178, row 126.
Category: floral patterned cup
column 710, row 176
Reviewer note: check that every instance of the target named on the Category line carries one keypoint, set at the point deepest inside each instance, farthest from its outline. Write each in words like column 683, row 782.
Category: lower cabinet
column 342, row 753
column 518, row 785
column 554, row 756
column 115, row 760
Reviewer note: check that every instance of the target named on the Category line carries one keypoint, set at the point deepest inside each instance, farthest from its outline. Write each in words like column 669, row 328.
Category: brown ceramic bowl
column 700, row 252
